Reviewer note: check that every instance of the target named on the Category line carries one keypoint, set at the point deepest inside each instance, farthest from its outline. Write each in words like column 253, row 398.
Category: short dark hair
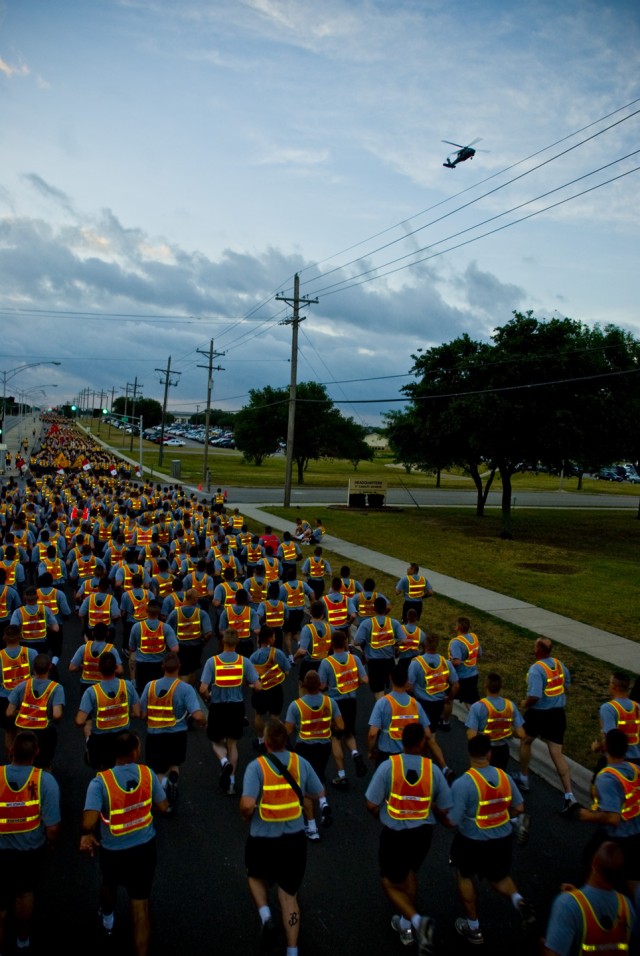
column 616, row 743
column 479, row 746
column 412, row 736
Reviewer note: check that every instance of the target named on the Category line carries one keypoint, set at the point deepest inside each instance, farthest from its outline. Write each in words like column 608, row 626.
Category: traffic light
column 105, row 411
column 74, row 408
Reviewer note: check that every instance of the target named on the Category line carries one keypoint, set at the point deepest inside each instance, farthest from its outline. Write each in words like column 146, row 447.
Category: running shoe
column 407, row 936
column 472, row 936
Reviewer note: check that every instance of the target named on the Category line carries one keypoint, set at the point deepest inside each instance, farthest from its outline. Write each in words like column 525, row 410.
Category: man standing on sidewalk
column 544, row 717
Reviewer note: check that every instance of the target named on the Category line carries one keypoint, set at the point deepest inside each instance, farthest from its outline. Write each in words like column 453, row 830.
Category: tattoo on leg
column 293, row 919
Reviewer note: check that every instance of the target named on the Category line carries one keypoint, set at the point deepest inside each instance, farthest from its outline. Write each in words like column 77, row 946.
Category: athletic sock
column 260, row 740
column 473, row 923
column 264, row 913
column 405, row 924
column 323, row 802
column 232, row 779
column 341, row 774
column 23, row 943
column 224, row 762
column 355, row 753
column 292, row 951
column 312, row 826
column 108, row 920
column 569, row 796
column 515, row 898
column 415, row 921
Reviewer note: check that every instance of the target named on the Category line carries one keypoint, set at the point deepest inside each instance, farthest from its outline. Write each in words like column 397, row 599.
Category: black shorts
column 348, row 708
column 308, row 664
column 411, row 606
column 403, row 851
column 226, row 721
column 162, row 751
column 548, row 724
column 468, row 690
column 317, row 585
column 317, row 755
column 379, row 669
column 245, row 647
column 7, row 723
column 20, row 872
column 293, row 624
column 500, row 756
column 47, row 742
column 433, row 709
column 281, row 860
column 132, row 869
column 147, row 671
column 488, row 858
column 268, row 701
column 190, row 657
column 101, row 750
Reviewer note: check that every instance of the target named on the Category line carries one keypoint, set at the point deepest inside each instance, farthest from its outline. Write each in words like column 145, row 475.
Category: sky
column 166, row 168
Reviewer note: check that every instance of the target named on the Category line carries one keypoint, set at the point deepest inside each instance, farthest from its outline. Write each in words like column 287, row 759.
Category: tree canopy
column 550, row 391
column 320, row 429
column 149, row 408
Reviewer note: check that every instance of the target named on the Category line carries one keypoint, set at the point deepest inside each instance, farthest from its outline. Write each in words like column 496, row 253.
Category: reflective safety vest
column 128, row 572
column 493, row 802
column 416, row 587
column 320, row 643
column 90, row 663
column 411, row 639
column 599, row 939
column 4, row 602
column 254, row 553
column 499, row 722
column 20, row 809
column 188, row 628
column 274, row 613
column 129, row 810
column 630, row 788
column 15, row 670
column 99, row 612
column 10, row 571
column 279, row 803
column 241, row 622
column 91, row 586
column 140, row 605
column 112, row 713
column 628, row 721
column 436, row 678
column 347, row 678
column 381, row 634
column 32, row 714
column 401, row 715
column 257, row 591
column 232, row 541
column 160, row 712
column 199, row 584
column 34, row 625
column 295, row 594
column 315, row 722
column 409, row 801
column 53, row 567
column 104, row 529
column 164, row 584
column 289, row 552
column 337, row 611
column 230, row 588
column 143, row 536
column 554, row 686
column 152, row 640
column 49, row 600
column 227, row 561
column 86, row 568
column 270, row 673
column 271, row 569
column 316, row 567
column 348, row 587
column 472, row 646
column 244, row 539
column 229, row 673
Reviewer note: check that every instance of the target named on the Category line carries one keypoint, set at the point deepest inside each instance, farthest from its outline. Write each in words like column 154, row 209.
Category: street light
column 10, row 373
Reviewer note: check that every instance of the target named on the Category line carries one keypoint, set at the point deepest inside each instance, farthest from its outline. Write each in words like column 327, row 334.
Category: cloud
column 44, row 189
column 11, row 71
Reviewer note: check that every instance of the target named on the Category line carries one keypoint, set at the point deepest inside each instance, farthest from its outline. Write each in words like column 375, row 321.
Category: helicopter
column 463, row 152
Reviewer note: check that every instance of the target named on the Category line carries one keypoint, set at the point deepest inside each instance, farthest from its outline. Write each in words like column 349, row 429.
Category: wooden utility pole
column 294, row 321
column 135, row 388
column 218, row 368
column 167, row 382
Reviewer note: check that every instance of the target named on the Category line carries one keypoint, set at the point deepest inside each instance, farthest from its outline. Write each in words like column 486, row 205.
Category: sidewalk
column 15, row 430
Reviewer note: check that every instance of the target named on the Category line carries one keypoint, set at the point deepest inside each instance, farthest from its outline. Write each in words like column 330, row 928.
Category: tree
column 149, row 408
column 541, row 391
column 218, row 418
column 320, row 429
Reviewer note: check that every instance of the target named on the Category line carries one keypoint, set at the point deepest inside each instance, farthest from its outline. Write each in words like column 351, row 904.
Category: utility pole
column 135, row 388
column 126, row 400
column 218, row 368
column 167, row 382
column 294, row 321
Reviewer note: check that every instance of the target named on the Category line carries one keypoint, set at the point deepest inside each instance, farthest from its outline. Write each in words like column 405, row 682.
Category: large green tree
column 320, row 429
column 149, row 408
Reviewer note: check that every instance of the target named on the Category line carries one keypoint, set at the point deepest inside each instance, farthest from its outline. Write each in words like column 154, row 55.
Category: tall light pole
column 10, row 373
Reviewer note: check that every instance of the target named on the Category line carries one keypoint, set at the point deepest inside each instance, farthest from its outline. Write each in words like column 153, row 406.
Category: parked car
column 608, row 474
column 173, row 442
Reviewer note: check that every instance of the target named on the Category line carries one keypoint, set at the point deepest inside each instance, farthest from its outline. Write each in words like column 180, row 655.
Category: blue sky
column 180, row 162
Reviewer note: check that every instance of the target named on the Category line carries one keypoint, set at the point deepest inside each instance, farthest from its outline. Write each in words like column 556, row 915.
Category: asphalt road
column 200, row 898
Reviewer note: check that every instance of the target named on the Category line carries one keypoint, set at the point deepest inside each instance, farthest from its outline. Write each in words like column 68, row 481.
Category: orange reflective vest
column 34, row 625
column 271, row 569
column 630, row 788
column 337, row 611
column 554, row 686
column 401, row 715
column 295, row 594
column 409, row 801
column 348, row 587
column 160, row 712
column 188, row 627
column 112, row 713
column 10, row 571
column 32, row 714
column 289, row 552
column 436, row 678
column 274, row 614
column 54, row 568
column 595, row 937
column 127, row 575
column 320, row 643
column 315, row 722
column 270, row 673
column 143, row 536
column 90, row 673
column 279, row 803
column 86, row 568
column 472, row 646
column 20, row 809
column 139, row 605
column 628, row 720
column 347, row 678
column 416, row 586
column 49, row 600
column 229, row 673
column 499, row 722
column 200, row 584
column 164, row 584
column 4, row 602
column 99, row 612
column 316, row 568
column 381, row 634
column 411, row 639
column 15, row 670
column 129, row 810
column 241, row 622
column 152, row 640
column 254, row 553
column 257, row 591
column 493, row 802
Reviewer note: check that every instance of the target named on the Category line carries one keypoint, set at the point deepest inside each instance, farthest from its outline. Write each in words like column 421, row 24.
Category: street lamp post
column 10, row 373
